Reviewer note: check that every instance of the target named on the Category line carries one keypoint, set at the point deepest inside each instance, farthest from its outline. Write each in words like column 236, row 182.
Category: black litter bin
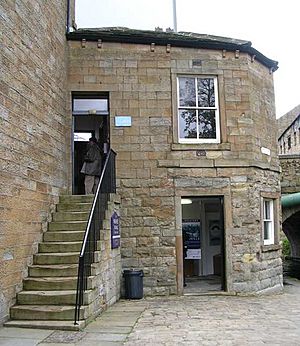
column 133, row 284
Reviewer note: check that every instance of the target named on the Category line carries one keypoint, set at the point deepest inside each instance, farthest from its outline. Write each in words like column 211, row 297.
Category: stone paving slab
column 188, row 320
column 221, row 320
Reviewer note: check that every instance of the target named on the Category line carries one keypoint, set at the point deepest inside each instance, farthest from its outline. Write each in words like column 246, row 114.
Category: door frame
column 179, row 240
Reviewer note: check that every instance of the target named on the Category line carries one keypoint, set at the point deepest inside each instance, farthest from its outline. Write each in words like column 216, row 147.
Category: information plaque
column 115, row 230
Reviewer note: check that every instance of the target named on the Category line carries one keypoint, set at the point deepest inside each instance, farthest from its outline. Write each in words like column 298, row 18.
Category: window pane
column 207, row 124
column 87, row 105
column 82, row 136
column 187, row 92
column 267, row 214
column 267, row 229
column 187, row 124
column 206, row 92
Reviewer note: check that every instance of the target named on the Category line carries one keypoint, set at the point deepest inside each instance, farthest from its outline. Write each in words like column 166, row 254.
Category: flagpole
column 174, row 16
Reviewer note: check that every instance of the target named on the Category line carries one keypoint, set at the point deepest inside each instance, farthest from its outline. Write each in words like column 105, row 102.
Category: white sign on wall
column 122, row 120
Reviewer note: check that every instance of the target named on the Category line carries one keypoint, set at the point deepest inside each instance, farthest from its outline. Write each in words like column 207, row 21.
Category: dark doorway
column 90, row 118
column 203, row 244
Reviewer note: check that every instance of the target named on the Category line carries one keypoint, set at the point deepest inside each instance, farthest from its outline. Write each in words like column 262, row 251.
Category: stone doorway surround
column 179, row 241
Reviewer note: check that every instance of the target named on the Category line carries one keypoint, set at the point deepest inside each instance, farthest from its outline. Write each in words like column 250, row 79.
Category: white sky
column 272, row 27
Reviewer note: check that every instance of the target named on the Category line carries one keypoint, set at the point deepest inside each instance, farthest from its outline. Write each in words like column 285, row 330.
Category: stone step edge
column 61, row 292
column 54, row 278
column 54, row 266
column 47, row 324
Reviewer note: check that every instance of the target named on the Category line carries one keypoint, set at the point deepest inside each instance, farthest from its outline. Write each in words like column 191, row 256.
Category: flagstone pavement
column 187, row 320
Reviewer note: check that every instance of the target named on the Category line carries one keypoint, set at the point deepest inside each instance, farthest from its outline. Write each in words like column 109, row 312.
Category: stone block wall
column 289, row 141
column 287, row 119
column 154, row 170
column 33, row 131
column 107, row 268
column 290, row 175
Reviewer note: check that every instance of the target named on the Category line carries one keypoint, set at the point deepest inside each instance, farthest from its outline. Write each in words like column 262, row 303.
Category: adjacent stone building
column 192, row 120
column 34, row 132
column 289, row 132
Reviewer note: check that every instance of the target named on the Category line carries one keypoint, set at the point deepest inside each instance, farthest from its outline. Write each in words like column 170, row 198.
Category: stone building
column 289, row 132
column 192, row 120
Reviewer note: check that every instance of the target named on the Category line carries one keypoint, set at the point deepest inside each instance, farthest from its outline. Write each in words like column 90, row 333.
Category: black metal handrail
column 106, row 185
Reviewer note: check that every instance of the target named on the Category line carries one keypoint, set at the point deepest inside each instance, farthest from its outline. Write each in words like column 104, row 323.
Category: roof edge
column 181, row 39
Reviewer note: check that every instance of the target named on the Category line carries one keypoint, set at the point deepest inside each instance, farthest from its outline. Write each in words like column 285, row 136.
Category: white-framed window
column 198, row 109
column 90, row 104
column 268, row 221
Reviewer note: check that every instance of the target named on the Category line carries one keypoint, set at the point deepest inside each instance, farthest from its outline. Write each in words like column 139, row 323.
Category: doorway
column 203, row 244
column 90, row 119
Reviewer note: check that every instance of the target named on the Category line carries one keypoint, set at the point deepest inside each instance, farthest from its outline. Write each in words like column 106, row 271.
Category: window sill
column 271, row 247
column 200, row 146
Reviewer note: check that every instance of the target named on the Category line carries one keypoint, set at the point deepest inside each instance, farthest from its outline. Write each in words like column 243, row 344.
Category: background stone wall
column 289, row 141
column 285, row 120
column 107, row 267
column 290, row 175
column 154, row 170
column 34, row 131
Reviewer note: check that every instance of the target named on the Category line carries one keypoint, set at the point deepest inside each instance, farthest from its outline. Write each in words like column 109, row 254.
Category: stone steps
column 56, row 258
column 62, row 297
column 68, row 236
column 62, row 216
column 49, row 292
column 47, row 324
column 46, row 312
column 67, row 226
column 52, row 247
column 53, row 283
column 78, row 207
column 59, row 270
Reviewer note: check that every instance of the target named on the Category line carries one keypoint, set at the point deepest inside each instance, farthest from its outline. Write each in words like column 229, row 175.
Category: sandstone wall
column 289, row 142
column 107, row 267
column 290, row 175
column 154, row 170
column 33, row 131
column 285, row 121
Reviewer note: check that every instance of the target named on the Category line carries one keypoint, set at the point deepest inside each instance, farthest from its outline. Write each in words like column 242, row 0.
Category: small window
column 289, row 142
column 295, row 138
column 198, row 110
column 82, row 136
column 284, row 149
column 281, row 149
column 87, row 104
column 268, row 221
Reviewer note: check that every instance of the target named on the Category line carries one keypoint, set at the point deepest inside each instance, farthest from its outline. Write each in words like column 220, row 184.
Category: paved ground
column 189, row 320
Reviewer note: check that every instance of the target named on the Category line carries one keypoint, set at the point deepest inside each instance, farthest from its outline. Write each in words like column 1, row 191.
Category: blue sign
column 115, row 230
column 123, row 120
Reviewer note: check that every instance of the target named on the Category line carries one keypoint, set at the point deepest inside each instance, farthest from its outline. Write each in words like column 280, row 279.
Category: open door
column 90, row 118
column 203, row 244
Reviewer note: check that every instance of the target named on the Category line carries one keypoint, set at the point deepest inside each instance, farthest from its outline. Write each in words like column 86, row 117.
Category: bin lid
column 137, row 272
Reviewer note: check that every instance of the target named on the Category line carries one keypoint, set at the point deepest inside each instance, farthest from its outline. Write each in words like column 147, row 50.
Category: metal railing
column 107, row 185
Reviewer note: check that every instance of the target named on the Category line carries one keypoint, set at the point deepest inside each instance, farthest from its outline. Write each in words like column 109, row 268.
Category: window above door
column 89, row 104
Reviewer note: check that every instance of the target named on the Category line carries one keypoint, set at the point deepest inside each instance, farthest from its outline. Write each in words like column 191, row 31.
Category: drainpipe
column 68, row 17
column 290, row 200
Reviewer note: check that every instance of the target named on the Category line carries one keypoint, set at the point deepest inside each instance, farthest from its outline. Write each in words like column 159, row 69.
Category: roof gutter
column 291, row 200
column 173, row 39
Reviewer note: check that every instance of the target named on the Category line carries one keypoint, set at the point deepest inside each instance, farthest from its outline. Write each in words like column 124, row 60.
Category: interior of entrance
column 86, row 126
column 203, row 250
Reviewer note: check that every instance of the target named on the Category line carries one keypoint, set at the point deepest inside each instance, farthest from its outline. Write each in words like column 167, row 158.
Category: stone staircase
column 49, row 291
